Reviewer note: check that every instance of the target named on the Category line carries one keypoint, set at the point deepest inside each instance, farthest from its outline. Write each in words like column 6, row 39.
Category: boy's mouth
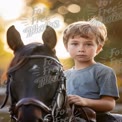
column 81, row 55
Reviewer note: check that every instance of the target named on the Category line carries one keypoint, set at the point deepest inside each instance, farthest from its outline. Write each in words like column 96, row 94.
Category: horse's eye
column 34, row 67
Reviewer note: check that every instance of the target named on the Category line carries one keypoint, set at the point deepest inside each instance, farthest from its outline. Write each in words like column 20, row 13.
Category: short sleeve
column 107, row 83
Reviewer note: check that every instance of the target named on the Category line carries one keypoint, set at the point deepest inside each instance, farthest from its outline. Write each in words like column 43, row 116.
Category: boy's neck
column 82, row 65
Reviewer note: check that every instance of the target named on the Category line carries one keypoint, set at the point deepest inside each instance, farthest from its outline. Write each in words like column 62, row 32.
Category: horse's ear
column 49, row 37
column 14, row 39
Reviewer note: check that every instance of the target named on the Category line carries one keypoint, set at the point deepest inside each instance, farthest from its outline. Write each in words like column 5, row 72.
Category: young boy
column 90, row 83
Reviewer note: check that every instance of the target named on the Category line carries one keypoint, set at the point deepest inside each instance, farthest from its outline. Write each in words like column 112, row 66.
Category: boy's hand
column 104, row 104
column 77, row 100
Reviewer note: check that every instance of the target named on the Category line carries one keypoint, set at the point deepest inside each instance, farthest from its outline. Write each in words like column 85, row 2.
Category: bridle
column 59, row 96
column 59, row 100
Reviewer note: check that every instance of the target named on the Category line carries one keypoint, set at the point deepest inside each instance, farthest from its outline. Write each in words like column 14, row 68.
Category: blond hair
column 86, row 29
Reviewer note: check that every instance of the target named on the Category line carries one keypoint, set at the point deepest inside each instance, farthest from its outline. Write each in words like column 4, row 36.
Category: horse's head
column 34, row 77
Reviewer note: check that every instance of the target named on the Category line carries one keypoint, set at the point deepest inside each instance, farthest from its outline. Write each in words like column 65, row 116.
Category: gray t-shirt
column 92, row 82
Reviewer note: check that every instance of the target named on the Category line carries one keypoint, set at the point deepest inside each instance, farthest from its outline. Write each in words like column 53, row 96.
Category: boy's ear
column 99, row 49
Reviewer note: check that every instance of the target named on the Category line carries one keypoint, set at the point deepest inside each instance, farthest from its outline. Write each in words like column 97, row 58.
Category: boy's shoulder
column 68, row 72
column 102, row 66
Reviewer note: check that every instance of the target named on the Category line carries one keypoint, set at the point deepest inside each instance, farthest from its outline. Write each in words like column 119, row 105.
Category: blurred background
column 31, row 16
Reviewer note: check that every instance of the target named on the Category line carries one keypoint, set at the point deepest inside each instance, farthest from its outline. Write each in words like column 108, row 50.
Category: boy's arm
column 105, row 104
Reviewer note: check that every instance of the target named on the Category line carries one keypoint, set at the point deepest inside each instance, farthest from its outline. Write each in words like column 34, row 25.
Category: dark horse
column 36, row 83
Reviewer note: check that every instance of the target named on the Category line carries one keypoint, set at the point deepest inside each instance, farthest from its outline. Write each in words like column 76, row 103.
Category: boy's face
column 83, row 49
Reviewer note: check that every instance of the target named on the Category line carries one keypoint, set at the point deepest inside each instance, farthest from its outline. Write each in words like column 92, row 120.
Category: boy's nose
column 81, row 48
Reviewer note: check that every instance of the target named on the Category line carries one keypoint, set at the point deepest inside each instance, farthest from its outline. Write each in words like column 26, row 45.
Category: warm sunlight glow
column 62, row 10
column 60, row 49
column 57, row 21
column 74, row 8
column 33, row 32
column 11, row 9
column 32, row 27
column 37, row 37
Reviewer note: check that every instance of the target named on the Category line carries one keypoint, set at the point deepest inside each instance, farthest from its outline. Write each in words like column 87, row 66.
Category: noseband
column 58, row 100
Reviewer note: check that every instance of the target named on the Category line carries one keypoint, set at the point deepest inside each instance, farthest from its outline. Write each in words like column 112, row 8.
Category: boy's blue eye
column 89, row 44
column 73, row 43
